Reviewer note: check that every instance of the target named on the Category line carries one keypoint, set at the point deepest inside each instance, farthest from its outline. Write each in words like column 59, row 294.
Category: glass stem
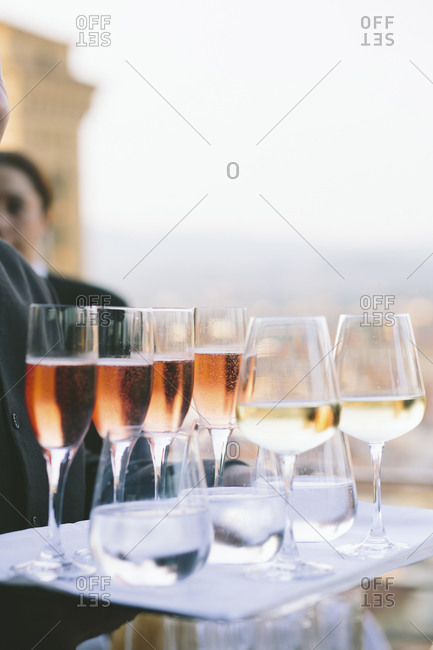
column 289, row 550
column 54, row 459
column 377, row 531
column 159, row 447
column 120, row 454
column 220, row 438
column 64, row 471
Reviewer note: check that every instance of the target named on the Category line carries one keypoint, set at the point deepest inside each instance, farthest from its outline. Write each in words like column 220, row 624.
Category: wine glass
column 124, row 380
column 288, row 403
column 219, row 342
column 149, row 539
column 173, row 380
column 324, row 494
column 247, row 511
column 382, row 397
column 59, row 391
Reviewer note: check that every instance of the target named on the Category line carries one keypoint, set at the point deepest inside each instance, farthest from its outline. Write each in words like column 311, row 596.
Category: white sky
column 351, row 166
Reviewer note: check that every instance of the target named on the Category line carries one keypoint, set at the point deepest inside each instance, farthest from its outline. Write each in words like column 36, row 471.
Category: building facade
column 47, row 105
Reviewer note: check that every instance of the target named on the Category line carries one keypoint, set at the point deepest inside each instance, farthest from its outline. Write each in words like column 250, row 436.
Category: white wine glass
column 288, row 402
column 124, row 381
column 219, row 343
column 60, row 391
column 173, row 381
column 382, row 397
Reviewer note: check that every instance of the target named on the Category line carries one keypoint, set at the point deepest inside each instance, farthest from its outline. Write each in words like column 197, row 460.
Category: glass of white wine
column 382, row 397
column 288, row 403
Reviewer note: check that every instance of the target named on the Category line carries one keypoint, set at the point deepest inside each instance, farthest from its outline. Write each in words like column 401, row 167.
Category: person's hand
column 33, row 617
column 4, row 106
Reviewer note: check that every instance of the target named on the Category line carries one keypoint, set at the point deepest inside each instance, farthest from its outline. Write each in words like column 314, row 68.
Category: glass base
column 281, row 570
column 85, row 560
column 49, row 569
column 372, row 549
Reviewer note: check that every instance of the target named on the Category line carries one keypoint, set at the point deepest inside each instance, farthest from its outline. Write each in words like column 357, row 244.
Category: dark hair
column 38, row 179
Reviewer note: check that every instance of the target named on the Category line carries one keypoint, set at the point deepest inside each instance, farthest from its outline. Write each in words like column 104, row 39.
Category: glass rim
column 281, row 319
column 186, row 311
column 59, row 305
column 223, row 308
column 117, row 308
column 181, row 309
column 107, row 307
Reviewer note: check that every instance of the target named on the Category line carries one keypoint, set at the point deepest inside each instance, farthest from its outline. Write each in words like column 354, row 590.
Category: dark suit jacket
column 23, row 477
column 73, row 292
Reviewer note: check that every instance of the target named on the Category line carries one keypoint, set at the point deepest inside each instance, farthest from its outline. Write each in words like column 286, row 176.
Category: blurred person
column 26, row 199
column 25, row 203
column 32, row 616
column 23, row 476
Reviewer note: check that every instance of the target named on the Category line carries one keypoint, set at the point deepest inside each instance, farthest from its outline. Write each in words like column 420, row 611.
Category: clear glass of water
column 248, row 505
column 147, row 541
column 323, row 494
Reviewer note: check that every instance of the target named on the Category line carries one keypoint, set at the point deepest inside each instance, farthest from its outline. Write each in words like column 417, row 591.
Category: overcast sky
column 187, row 87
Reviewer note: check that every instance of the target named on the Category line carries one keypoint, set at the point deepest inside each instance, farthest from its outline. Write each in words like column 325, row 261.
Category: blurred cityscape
column 286, row 276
